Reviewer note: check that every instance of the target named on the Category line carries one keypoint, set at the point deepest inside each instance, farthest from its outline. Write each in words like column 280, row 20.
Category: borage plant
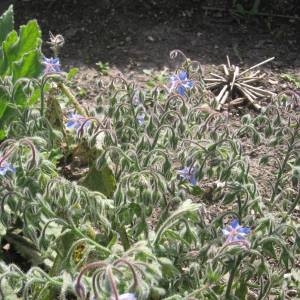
column 153, row 195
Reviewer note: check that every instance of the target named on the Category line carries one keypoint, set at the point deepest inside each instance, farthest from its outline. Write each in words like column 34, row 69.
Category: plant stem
column 123, row 237
column 231, row 277
column 97, row 245
column 293, row 206
column 281, row 170
column 42, row 101
column 72, row 99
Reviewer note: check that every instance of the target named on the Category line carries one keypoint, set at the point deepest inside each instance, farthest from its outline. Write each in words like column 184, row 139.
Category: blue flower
column 5, row 167
column 136, row 98
column 126, row 296
column 189, row 174
column 75, row 121
column 234, row 232
column 180, row 83
column 51, row 65
column 140, row 118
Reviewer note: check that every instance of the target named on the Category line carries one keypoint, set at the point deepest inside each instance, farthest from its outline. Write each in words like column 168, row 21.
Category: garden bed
column 133, row 178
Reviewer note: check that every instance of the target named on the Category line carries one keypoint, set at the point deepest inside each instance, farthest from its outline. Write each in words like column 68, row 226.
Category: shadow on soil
column 140, row 34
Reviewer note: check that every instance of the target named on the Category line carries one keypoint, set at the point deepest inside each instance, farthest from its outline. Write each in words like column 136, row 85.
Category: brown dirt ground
column 133, row 35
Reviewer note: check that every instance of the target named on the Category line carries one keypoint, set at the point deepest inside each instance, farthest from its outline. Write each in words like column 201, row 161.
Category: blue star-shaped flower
column 140, row 118
column 188, row 174
column 180, row 82
column 51, row 65
column 6, row 167
column 126, row 296
column 234, row 232
column 75, row 121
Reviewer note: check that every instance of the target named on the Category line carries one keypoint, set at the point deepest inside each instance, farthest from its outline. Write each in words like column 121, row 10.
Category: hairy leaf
column 6, row 23
column 101, row 180
column 15, row 47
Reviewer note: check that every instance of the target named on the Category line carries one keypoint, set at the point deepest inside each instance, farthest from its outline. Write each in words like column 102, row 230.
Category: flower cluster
column 180, row 83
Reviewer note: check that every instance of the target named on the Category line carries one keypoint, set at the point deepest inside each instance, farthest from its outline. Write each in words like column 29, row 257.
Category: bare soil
column 132, row 35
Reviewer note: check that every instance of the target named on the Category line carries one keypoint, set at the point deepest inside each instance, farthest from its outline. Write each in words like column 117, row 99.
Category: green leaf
column 4, row 99
column 66, row 239
column 229, row 198
column 34, row 97
column 2, row 230
column 195, row 190
column 268, row 248
column 128, row 211
column 156, row 293
column 268, row 131
column 168, row 268
column 101, row 180
column 72, row 73
column 286, row 257
column 264, row 160
column 8, row 115
column 46, row 293
column 242, row 290
column 6, row 23
column 295, row 80
column 28, row 66
column 186, row 210
column 21, row 58
column 2, row 134
column 264, row 224
column 11, row 39
column 174, row 297
column 15, row 47
column 8, row 292
column 24, row 247
column 29, row 39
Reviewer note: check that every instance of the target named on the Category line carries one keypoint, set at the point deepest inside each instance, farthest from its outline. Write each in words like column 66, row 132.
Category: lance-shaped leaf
column 4, row 99
column 15, row 47
column 101, row 180
column 28, row 66
column 186, row 210
column 6, row 23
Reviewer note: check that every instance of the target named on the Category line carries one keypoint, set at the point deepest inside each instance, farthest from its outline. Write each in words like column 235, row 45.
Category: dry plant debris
column 233, row 87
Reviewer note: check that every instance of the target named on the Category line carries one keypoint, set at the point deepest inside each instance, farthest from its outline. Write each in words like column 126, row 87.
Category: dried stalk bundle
column 233, row 87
